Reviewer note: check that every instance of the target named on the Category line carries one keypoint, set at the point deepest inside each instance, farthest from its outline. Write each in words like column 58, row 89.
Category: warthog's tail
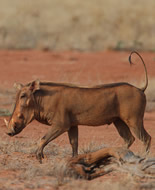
column 146, row 77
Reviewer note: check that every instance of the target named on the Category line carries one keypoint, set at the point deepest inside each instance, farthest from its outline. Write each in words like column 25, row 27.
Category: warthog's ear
column 35, row 85
column 17, row 86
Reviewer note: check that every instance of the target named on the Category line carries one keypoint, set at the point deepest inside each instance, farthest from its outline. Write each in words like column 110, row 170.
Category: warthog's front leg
column 53, row 133
column 73, row 138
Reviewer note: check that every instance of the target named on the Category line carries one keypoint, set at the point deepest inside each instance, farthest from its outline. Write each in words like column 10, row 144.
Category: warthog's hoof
column 39, row 156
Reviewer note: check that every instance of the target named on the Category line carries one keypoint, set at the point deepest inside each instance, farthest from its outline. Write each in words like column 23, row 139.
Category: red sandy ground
column 79, row 68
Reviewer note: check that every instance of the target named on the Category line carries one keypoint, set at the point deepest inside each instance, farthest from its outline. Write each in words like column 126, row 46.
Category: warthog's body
column 72, row 106
column 64, row 107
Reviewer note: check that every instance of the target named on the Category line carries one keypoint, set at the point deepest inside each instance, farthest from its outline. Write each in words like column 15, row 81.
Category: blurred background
column 77, row 25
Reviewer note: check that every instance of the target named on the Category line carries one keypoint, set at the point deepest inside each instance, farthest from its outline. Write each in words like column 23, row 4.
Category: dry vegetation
column 81, row 25
column 17, row 160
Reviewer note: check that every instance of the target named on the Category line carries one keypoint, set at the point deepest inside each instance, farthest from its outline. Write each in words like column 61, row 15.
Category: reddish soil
column 79, row 68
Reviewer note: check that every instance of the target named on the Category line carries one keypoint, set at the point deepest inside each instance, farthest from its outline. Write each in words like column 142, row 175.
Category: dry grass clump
column 126, row 183
column 91, row 147
column 20, row 157
column 16, row 146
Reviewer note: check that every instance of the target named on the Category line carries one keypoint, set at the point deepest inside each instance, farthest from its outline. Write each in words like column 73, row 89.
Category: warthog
column 65, row 106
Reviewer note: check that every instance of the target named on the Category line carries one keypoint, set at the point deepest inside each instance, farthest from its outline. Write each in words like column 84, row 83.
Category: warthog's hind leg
column 73, row 138
column 124, row 132
column 138, row 129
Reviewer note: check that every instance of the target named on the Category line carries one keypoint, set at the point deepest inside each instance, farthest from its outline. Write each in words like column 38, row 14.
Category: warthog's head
column 23, row 112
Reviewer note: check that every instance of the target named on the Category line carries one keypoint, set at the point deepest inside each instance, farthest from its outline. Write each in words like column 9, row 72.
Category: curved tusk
column 6, row 122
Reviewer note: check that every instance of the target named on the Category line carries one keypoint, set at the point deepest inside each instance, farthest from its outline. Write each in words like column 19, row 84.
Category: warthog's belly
column 92, row 120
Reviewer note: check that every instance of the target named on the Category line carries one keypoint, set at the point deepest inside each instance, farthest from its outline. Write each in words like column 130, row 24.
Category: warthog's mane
column 81, row 86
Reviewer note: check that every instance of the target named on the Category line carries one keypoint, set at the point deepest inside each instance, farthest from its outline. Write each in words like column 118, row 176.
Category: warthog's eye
column 23, row 96
column 20, row 116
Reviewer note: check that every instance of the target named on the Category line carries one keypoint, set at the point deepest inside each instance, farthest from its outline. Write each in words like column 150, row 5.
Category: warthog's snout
column 13, row 128
column 10, row 134
column 13, row 131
